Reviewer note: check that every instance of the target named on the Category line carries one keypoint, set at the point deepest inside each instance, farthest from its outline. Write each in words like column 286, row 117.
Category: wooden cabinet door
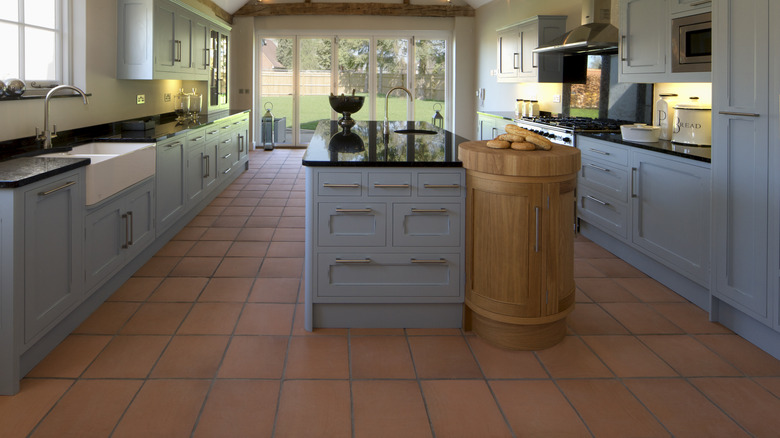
column 643, row 36
column 740, row 153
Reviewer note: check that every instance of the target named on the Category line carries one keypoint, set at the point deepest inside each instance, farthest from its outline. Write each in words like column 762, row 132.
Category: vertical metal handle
column 633, row 172
column 516, row 61
column 207, row 159
column 177, row 49
column 207, row 57
column 536, row 242
column 240, row 143
column 522, row 45
column 493, row 132
column 130, row 219
column 624, row 47
column 127, row 230
column 534, row 64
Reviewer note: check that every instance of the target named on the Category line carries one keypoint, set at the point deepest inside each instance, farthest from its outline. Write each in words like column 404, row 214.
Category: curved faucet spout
column 387, row 98
column 48, row 134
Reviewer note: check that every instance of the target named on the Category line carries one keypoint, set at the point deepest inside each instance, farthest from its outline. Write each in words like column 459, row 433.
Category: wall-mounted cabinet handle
column 353, row 210
column 633, row 172
column 198, row 138
column 516, row 61
column 534, row 58
column 731, row 113
column 341, row 186
column 441, row 186
column 429, row 210
column 624, row 47
column 130, row 219
column 598, row 151
column 227, row 156
column 430, row 261
column 391, row 186
column 597, row 200
column 227, row 171
column 49, row 192
column 127, row 230
column 207, row 54
column 177, row 46
column 536, row 241
column 353, row 261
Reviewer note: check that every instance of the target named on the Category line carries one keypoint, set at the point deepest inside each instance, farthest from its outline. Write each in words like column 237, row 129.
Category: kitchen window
column 35, row 39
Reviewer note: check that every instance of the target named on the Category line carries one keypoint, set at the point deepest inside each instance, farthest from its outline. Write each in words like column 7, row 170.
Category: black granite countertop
column 367, row 146
column 26, row 170
column 697, row 153
column 167, row 128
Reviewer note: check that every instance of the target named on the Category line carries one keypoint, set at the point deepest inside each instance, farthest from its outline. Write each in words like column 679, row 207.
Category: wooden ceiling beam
column 388, row 9
column 217, row 10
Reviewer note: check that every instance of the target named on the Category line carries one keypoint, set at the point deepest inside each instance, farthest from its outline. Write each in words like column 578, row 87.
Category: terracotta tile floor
column 207, row 340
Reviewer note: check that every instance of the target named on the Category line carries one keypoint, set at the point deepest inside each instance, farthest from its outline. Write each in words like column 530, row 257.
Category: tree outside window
column 32, row 36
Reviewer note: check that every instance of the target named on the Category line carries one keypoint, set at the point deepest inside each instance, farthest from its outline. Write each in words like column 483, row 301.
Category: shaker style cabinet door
column 643, row 36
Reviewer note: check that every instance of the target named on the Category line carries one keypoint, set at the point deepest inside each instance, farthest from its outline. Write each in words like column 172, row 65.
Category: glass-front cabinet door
column 218, row 77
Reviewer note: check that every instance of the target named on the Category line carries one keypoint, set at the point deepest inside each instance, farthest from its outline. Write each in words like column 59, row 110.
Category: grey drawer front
column 603, row 212
column 224, row 158
column 389, row 184
column 351, row 224
column 426, row 224
column 605, row 177
column 339, row 184
column 602, row 151
column 439, row 184
column 369, row 277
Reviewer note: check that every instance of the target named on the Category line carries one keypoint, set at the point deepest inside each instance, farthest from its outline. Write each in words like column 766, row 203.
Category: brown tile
column 772, row 384
column 211, row 319
column 237, row 211
column 443, row 357
column 389, row 409
column 256, row 234
column 591, row 319
column 609, row 410
column 614, row 267
column 157, row 319
column 239, row 267
column 682, row 409
column 157, row 267
column 536, row 408
column 689, row 357
column 273, row 202
column 163, row 408
column 748, row 358
column 649, row 290
column 176, row 248
column 376, row 332
column 747, row 403
column 497, row 363
column 640, row 318
column 227, row 290
column 299, row 330
column 254, row 357
column 272, row 193
column 248, row 249
column 605, row 290
column 136, row 289
column 244, row 202
column 293, row 222
column 108, row 318
column 286, row 249
column 314, row 405
column 572, row 359
column 195, row 357
column 381, row 357
column 71, row 357
column 295, row 202
column 210, row 248
column 323, row 357
column 590, row 250
column 583, row 269
column 463, row 408
column 239, row 408
column 433, row 332
column 21, row 412
column 185, row 289
column 294, row 211
column 689, row 317
column 581, row 297
column 282, row 267
column 627, row 357
column 212, row 210
column 288, row 235
column 202, row 221
column 191, row 232
column 128, row 357
column 229, row 221
column 214, row 233
column 268, row 211
column 91, row 408
column 196, row 267
column 265, row 319
column 256, row 221
column 275, row 290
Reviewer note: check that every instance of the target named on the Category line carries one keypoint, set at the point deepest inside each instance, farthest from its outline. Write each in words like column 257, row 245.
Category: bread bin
column 640, row 132
column 692, row 124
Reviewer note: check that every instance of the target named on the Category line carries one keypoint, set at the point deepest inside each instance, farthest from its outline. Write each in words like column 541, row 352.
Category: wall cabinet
column 516, row 60
column 218, row 96
column 657, row 204
column 688, row 7
column 645, row 47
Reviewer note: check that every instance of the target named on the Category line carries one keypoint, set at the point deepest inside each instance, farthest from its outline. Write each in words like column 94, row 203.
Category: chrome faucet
column 47, row 134
column 387, row 98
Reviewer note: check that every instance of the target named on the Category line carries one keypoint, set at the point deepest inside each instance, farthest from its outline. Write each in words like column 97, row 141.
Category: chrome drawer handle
column 429, row 210
column 341, row 186
column 197, row 138
column 212, row 132
column 598, row 151
column 731, row 113
column 49, row 192
column 353, row 210
column 226, row 127
column 227, row 171
column 353, row 261
column 391, row 186
column 227, row 141
column 227, row 156
column 441, row 186
column 178, row 143
column 597, row 200
column 603, row 169
column 433, row 261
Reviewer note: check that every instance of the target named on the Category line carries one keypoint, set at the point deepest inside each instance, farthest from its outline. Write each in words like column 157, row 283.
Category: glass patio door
column 277, row 90
column 315, row 82
column 392, row 70
column 352, row 70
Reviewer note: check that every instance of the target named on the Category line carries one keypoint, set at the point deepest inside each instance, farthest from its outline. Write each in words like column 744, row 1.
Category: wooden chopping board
column 560, row 160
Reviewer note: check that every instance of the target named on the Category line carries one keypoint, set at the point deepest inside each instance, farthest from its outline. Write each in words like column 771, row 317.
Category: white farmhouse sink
column 113, row 166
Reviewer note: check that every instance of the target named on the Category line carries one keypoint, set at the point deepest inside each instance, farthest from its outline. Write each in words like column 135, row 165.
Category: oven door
column 692, row 43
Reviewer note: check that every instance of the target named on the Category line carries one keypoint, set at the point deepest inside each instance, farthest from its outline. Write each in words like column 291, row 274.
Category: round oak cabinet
column 520, row 224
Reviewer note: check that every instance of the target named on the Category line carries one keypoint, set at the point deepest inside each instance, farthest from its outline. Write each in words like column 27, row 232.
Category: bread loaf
column 523, row 146
column 510, row 137
column 498, row 144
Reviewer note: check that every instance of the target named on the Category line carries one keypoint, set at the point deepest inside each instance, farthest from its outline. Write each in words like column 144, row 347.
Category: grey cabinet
column 490, row 126
column 655, row 203
column 516, row 60
column 218, row 95
column 53, row 231
column 170, row 185
column 116, row 231
column 197, row 165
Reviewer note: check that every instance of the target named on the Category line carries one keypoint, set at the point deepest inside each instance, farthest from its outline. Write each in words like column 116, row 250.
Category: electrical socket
column 557, row 98
column 167, row 97
column 141, row 98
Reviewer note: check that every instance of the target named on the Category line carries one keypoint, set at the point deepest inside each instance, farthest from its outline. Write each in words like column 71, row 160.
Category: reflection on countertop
column 698, row 153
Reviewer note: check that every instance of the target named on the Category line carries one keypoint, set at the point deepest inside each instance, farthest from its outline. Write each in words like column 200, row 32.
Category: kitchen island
column 385, row 236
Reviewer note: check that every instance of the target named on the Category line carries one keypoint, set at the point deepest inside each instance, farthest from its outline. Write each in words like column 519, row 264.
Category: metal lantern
column 438, row 119
column 267, row 127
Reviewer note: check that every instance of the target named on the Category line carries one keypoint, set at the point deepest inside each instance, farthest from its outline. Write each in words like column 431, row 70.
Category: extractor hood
column 595, row 36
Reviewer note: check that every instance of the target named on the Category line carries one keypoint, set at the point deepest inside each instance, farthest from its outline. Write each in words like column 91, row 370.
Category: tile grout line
column 419, row 383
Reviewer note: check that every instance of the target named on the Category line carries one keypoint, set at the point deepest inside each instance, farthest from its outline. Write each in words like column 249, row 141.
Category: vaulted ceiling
column 231, row 6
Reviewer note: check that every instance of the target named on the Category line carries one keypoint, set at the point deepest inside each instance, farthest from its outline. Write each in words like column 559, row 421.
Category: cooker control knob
column 567, row 140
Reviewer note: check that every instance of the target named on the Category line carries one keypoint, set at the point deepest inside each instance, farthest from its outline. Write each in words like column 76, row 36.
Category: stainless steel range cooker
column 562, row 130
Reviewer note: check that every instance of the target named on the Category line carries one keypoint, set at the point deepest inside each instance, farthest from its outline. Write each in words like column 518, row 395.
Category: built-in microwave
column 692, row 43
